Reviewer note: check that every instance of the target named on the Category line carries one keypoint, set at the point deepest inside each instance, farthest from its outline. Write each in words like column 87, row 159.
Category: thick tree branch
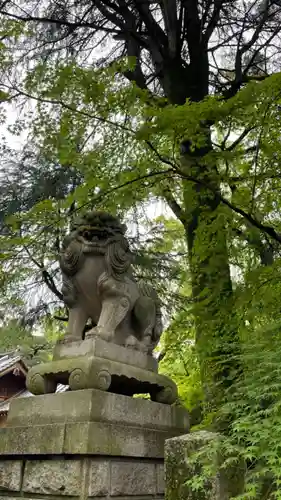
column 214, row 20
column 51, row 284
column 169, row 9
column 60, row 318
column 258, row 29
column 266, row 252
column 263, row 227
column 156, row 34
column 47, row 278
column 192, row 28
column 269, row 230
column 174, row 206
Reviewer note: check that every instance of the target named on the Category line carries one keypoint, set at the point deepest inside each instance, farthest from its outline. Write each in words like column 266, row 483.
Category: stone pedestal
column 86, row 444
column 94, row 363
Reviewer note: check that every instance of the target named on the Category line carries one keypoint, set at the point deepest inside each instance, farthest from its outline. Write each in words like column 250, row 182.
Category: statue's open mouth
column 95, row 234
column 89, row 236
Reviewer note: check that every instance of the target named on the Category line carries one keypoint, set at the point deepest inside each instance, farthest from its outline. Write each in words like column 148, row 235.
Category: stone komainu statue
column 98, row 284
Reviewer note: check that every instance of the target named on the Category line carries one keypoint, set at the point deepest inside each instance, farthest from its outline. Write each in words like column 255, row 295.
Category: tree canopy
column 126, row 103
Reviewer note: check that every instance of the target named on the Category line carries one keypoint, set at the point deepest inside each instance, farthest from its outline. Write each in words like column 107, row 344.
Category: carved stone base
column 90, row 365
column 94, row 345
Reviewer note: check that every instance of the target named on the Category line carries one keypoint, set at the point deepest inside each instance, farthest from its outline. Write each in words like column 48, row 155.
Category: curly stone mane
column 97, row 222
column 96, row 233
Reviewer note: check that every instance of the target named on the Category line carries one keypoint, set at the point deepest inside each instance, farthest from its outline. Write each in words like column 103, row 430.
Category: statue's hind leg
column 145, row 316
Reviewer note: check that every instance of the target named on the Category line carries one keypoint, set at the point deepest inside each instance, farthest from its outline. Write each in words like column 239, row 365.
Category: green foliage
column 101, row 142
column 34, row 346
column 12, row 335
column 252, row 406
column 180, row 361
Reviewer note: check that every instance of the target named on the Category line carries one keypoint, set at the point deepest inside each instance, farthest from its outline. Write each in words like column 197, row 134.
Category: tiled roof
column 8, row 360
column 4, row 407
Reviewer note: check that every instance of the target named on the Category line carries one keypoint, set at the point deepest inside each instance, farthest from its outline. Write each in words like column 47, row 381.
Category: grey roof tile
column 9, row 360
column 4, row 407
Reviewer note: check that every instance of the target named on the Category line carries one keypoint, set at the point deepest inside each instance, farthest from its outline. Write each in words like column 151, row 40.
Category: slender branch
column 48, row 279
column 160, row 157
column 99, row 197
column 223, row 144
column 240, row 138
column 50, row 20
column 258, row 29
column 51, row 284
column 263, row 227
column 60, row 318
column 260, row 177
column 74, row 110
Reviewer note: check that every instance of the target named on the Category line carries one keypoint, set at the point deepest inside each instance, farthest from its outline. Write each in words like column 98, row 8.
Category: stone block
column 99, row 478
column 90, row 422
column 33, row 440
column 10, row 475
column 91, row 405
column 179, row 468
column 53, row 477
column 132, row 478
column 92, row 438
column 160, row 479
column 115, row 440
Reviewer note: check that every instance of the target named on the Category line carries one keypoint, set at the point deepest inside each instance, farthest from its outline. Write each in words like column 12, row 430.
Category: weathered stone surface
column 99, row 478
column 107, row 350
column 160, row 478
column 178, row 469
column 97, row 406
column 84, row 438
column 133, row 478
column 90, row 422
column 86, row 477
column 10, row 475
column 33, row 440
column 90, row 372
column 98, row 284
column 96, row 438
column 126, row 497
column 53, row 477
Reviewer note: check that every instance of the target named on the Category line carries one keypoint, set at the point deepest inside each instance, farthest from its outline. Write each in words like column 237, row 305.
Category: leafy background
column 180, row 137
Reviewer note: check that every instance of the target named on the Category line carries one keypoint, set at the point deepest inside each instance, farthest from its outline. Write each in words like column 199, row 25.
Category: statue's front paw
column 68, row 339
column 131, row 342
column 99, row 332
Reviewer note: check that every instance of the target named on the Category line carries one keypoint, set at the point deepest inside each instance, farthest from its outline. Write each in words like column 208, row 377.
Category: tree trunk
column 216, row 329
column 217, row 340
